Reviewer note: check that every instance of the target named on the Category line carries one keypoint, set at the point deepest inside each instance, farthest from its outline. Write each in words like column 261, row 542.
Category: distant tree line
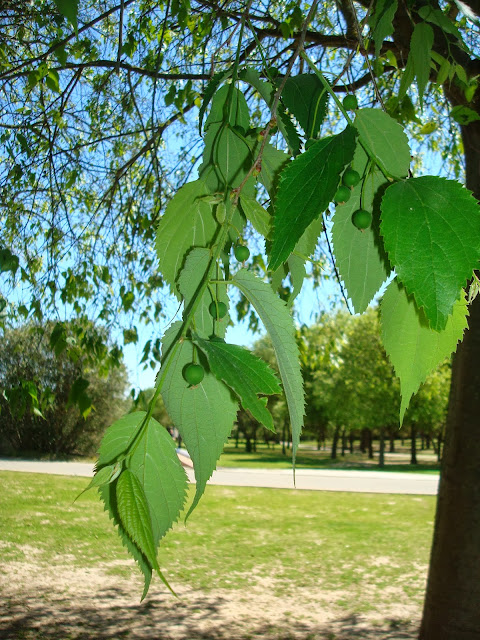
column 352, row 394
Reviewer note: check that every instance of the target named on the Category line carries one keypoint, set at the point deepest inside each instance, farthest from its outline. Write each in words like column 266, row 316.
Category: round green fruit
column 350, row 177
column 217, row 310
column 241, row 252
column 362, row 219
column 342, row 195
column 193, row 373
column 350, row 103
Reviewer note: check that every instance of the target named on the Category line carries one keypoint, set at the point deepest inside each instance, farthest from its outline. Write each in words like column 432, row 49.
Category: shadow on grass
column 112, row 615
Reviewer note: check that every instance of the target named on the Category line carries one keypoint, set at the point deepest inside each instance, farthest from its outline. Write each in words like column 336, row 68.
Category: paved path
column 312, row 479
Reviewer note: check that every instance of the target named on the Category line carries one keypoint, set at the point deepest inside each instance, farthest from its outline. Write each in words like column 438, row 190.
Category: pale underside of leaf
column 279, row 325
column 188, row 222
column 414, row 349
column 385, row 140
column 359, row 255
column 204, row 414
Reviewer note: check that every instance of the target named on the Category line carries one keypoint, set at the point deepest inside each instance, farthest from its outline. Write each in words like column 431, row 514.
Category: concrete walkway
column 310, row 479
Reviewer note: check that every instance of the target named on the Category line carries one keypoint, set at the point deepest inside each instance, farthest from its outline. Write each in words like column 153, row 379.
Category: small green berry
column 350, row 102
column 241, row 252
column 217, row 310
column 342, row 195
column 193, row 373
column 362, row 219
column 350, row 177
column 221, row 212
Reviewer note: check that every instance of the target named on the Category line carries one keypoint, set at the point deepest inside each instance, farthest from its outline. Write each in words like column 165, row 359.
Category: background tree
column 41, row 391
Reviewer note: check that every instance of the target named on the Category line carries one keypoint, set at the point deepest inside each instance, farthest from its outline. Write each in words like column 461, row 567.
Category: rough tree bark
column 451, row 610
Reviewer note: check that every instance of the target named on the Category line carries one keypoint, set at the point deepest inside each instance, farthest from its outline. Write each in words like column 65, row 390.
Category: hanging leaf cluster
column 420, row 234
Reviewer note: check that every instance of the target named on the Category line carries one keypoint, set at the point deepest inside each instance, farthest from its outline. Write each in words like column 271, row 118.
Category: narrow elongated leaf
column 359, row 255
column 431, row 230
column 203, row 414
column 244, row 373
column 306, row 97
column 279, row 325
column 188, row 221
column 415, row 349
column 421, row 48
column 109, row 498
column 163, row 480
column 134, row 515
column 210, row 90
column 307, row 185
column 103, row 476
column 385, row 139
column 381, row 22
column 304, row 248
column 198, row 267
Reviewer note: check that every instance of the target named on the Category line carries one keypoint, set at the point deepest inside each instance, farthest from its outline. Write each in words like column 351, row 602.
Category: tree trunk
column 335, row 442
column 392, row 441
column 381, row 455
column 344, row 441
column 351, row 438
column 413, row 446
column 451, row 610
column 370, row 443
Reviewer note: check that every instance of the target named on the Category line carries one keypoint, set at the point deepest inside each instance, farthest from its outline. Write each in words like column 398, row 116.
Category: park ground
column 250, row 563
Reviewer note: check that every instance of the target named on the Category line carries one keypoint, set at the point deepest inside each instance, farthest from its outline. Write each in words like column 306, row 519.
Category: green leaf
column 52, row 80
column 256, row 215
column 436, row 16
column 431, row 231
column 381, row 22
column 69, row 9
column 199, row 266
column 203, row 414
column 118, row 437
column 164, row 482
column 278, row 322
column 244, row 373
column 415, row 349
column 273, row 162
column 103, row 476
column 421, row 47
column 188, row 221
column 385, row 139
column 109, row 498
column 464, row 115
column 359, row 255
column 229, row 107
column 227, row 158
column 210, row 90
column 307, row 185
column 408, row 76
column 306, row 97
column 8, row 261
column 304, row 248
column 157, row 468
column 134, row 515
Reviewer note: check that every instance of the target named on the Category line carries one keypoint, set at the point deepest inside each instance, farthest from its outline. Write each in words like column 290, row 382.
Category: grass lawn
column 359, row 546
